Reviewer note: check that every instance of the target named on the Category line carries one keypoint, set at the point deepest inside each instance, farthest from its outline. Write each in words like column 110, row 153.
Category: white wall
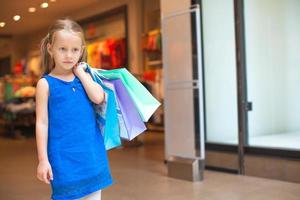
column 220, row 71
column 273, row 65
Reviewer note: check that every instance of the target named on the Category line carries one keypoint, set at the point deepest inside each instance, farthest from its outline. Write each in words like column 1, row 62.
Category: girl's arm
column 42, row 90
column 93, row 89
column 44, row 171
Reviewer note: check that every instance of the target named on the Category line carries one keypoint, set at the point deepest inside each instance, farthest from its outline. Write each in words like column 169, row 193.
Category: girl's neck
column 61, row 72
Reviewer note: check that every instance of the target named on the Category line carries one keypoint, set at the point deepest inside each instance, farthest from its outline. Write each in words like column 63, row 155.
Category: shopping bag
column 122, row 128
column 132, row 120
column 145, row 103
column 106, row 116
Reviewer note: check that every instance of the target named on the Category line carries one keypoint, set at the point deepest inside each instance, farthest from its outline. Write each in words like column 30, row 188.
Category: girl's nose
column 69, row 54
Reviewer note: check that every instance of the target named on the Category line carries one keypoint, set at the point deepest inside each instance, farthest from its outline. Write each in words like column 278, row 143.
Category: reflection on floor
column 279, row 141
column 140, row 174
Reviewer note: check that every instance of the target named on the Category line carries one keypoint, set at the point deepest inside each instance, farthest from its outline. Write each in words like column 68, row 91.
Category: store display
column 107, row 54
column 19, row 114
column 152, row 40
column 106, row 39
column 151, row 45
column 18, row 103
column 27, row 91
column 19, row 67
column 15, row 107
column 13, row 83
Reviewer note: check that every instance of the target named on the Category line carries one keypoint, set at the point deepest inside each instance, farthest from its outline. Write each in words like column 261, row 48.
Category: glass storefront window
column 273, row 72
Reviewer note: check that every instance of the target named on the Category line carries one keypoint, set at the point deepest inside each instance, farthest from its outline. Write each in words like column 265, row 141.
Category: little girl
column 71, row 153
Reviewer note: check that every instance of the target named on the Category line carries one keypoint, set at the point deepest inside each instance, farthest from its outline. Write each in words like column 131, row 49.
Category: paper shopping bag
column 145, row 103
column 107, row 118
column 130, row 116
column 122, row 128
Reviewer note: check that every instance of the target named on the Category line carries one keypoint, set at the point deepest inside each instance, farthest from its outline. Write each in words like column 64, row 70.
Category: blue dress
column 75, row 149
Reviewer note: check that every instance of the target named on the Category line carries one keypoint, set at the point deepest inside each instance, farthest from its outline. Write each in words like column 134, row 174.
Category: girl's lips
column 68, row 62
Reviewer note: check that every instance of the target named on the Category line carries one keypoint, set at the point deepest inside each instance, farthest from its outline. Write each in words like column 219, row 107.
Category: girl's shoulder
column 42, row 82
column 42, row 86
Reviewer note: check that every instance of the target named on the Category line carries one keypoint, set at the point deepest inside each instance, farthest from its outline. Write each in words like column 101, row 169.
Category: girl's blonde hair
column 61, row 24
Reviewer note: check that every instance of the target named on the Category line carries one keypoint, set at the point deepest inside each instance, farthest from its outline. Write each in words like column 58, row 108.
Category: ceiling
column 30, row 22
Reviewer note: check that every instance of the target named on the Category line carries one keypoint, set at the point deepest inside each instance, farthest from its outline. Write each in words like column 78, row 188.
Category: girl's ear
column 49, row 49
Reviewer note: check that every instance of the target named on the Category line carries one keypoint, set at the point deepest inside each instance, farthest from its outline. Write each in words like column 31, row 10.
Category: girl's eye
column 62, row 48
column 75, row 50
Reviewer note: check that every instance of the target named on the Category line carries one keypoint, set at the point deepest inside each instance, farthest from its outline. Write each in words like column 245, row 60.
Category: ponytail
column 46, row 59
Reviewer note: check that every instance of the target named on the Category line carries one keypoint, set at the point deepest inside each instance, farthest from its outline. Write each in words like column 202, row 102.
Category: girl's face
column 66, row 49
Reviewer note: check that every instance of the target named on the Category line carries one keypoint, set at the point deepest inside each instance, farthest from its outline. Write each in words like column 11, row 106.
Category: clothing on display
column 13, row 86
column 107, row 54
column 152, row 41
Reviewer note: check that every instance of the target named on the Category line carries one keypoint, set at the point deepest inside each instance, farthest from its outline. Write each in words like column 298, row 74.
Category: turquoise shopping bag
column 145, row 103
column 106, row 115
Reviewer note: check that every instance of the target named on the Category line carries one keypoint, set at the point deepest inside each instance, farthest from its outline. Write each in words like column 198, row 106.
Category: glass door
column 220, row 72
column 220, row 81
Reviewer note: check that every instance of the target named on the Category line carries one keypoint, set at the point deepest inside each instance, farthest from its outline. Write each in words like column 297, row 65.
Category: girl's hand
column 44, row 172
column 79, row 69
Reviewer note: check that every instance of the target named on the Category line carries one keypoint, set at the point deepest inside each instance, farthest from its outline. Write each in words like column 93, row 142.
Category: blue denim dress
column 75, row 149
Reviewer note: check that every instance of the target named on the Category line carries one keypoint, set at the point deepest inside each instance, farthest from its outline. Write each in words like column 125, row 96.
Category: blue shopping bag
column 106, row 115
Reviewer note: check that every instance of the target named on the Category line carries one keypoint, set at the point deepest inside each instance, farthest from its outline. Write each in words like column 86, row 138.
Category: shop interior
column 108, row 47
column 129, row 34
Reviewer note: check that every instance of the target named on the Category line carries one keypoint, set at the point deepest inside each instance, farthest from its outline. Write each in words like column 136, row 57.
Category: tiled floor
column 140, row 174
